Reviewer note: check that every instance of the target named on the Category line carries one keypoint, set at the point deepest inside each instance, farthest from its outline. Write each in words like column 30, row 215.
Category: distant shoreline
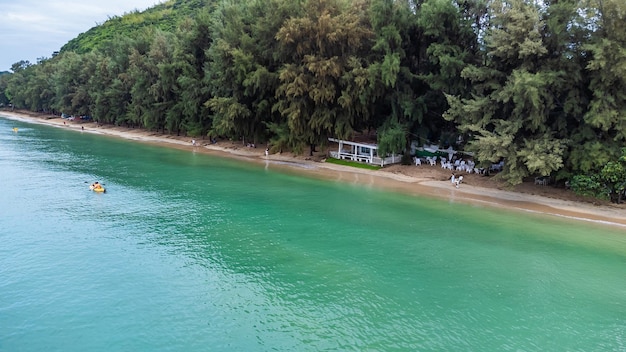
column 418, row 182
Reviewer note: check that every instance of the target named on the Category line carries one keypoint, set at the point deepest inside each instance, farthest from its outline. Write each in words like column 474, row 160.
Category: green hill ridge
column 164, row 16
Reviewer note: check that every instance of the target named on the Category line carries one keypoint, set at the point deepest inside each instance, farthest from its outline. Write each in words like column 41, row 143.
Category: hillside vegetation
column 165, row 16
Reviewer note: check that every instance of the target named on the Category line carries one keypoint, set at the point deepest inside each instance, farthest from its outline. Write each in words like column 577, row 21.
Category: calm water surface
column 189, row 252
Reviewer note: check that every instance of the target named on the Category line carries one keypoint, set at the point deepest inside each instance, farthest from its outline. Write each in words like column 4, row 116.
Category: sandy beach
column 425, row 181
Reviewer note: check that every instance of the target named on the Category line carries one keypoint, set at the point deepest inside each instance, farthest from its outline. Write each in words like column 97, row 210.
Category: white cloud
column 32, row 29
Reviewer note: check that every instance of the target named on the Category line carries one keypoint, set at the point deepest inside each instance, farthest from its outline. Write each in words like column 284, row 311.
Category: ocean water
column 191, row 252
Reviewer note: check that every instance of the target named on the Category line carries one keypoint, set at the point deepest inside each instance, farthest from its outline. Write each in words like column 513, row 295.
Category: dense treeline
column 539, row 84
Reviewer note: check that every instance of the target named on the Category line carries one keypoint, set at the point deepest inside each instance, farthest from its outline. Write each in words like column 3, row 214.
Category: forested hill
column 539, row 85
column 165, row 16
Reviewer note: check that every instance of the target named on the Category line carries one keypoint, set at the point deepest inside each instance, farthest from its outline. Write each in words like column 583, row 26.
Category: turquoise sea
column 192, row 252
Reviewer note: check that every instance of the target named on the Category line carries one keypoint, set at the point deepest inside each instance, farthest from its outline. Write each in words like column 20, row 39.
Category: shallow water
column 190, row 252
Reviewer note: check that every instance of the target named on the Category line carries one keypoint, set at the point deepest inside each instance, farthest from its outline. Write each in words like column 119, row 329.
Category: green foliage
column 524, row 99
column 609, row 183
column 282, row 138
column 607, row 109
column 542, row 156
column 588, row 186
column 613, row 174
column 391, row 138
column 228, row 113
column 4, row 99
column 165, row 16
column 322, row 72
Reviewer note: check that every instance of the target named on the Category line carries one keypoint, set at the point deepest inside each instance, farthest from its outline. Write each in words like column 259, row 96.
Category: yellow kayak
column 98, row 189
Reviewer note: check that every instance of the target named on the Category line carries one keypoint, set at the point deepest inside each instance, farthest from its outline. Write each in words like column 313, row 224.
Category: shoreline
column 425, row 181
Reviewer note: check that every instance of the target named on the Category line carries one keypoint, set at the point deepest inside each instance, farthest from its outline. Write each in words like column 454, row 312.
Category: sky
column 33, row 29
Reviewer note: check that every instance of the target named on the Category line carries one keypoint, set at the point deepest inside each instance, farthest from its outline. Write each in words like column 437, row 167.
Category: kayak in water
column 97, row 187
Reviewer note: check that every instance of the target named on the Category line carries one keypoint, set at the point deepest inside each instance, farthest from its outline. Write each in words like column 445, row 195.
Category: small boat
column 98, row 188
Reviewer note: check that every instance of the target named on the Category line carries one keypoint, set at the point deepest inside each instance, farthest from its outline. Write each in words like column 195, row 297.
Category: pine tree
column 323, row 74
column 510, row 115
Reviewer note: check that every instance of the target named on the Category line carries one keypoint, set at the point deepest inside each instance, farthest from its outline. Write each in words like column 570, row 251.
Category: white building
column 362, row 152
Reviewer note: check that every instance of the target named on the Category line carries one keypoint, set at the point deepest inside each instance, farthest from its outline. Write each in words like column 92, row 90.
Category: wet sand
column 422, row 181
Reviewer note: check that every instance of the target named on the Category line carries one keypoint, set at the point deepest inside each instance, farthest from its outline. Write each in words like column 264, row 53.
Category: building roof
column 366, row 145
